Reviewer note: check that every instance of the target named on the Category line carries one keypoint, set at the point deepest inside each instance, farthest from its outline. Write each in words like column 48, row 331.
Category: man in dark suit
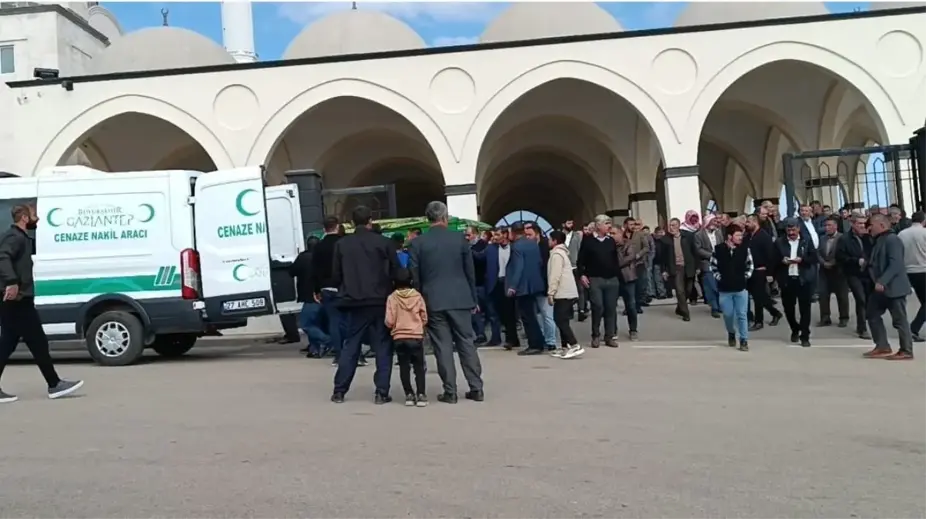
column 853, row 251
column 364, row 267
column 441, row 264
column 761, row 247
column 485, row 317
column 797, row 261
column 832, row 281
column 524, row 281
column 679, row 265
column 891, row 287
column 326, row 290
column 497, row 255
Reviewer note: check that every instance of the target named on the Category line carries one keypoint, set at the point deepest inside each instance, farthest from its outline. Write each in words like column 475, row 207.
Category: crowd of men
column 484, row 289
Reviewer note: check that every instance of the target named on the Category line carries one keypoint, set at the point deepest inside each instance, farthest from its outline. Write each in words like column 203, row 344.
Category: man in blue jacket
column 497, row 255
column 524, row 281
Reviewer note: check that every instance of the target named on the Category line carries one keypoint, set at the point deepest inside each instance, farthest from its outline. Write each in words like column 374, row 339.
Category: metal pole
column 787, row 161
column 918, row 148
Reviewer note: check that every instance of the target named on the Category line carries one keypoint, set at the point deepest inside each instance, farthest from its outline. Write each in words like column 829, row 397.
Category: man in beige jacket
column 562, row 293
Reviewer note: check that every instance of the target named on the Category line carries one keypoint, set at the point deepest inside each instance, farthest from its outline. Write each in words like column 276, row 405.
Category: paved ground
column 656, row 431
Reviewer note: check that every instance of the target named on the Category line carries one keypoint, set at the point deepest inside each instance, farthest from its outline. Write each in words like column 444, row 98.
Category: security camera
column 45, row 73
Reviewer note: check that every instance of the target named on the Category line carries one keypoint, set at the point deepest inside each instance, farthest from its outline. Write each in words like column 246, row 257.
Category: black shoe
column 805, row 343
column 596, row 342
column 480, row 341
column 744, row 346
column 864, row 335
column 410, row 400
column 337, row 398
column 756, row 327
column 843, row 323
column 716, row 315
column 686, row 318
column 380, row 399
column 775, row 320
column 824, row 323
column 475, row 396
column 731, row 340
column 795, row 337
column 583, row 316
column 639, row 310
column 918, row 338
column 530, row 351
column 447, row 398
column 362, row 362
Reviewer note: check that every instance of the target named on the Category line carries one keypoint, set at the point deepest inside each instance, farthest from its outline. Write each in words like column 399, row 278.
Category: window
column 7, row 60
column 525, row 217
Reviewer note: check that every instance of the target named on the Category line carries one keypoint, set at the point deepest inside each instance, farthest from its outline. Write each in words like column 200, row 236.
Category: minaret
column 238, row 31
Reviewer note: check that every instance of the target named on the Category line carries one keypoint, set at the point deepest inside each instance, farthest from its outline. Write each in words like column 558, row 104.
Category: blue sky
column 276, row 24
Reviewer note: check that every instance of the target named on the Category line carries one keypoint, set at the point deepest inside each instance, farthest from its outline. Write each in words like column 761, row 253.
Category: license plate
column 244, row 304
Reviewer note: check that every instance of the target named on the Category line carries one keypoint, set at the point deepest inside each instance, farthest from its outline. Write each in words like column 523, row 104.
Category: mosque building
column 556, row 110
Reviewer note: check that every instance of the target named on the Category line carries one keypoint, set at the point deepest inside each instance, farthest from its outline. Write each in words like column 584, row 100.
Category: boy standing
column 406, row 316
column 731, row 266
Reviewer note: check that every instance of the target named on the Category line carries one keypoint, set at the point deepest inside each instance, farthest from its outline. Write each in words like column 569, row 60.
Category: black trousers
column 410, row 353
column 507, row 317
column 832, row 281
column 290, row 324
column 562, row 314
column 758, row 289
column 20, row 320
column 365, row 322
column 918, row 282
column 583, row 292
column 860, row 288
column 795, row 293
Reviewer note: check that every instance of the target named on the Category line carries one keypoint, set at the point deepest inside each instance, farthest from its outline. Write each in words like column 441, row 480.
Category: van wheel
column 174, row 345
column 115, row 338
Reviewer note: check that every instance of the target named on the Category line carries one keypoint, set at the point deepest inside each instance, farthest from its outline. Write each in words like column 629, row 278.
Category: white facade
column 567, row 130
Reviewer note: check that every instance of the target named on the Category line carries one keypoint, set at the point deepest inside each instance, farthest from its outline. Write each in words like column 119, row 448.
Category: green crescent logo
column 150, row 216
column 48, row 217
column 235, row 273
column 239, row 203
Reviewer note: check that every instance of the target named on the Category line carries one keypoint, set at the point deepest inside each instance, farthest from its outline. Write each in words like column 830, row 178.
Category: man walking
column 797, row 256
column 497, row 256
column 706, row 239
column 832, row 280
column 853, row 251
column 600, row 273
column 18, row 317
column 914, row 246
column 363, row 269
column 891, row 287
column 524, row 281
column 544, row 307
column 761, row 248
column 678, row 265
column 485, row 317
column 572, row 243
column 441, row 264
column 731, row 267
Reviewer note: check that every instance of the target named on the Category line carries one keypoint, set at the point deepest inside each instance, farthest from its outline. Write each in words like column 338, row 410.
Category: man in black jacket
column 797, row 273
column 762, row 247
column 19, row 318
column 363, row 268
column 301, row 270
column 679, row 265
column 853, row 252
column 326, row 290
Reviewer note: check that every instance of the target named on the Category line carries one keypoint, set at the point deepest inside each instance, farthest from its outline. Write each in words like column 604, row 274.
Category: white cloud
column 449, row 41
column 444, row 12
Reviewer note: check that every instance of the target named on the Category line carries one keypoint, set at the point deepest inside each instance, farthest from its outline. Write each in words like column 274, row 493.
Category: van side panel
column 106, row 236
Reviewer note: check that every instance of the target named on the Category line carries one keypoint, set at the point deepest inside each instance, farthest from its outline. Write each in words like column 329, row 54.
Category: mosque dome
column 102, row 20
column 704, row 13
column 355, row 31
column 159, row 48
column 534, row 20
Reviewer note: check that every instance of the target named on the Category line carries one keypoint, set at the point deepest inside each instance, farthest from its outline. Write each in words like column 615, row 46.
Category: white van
column 153, row 259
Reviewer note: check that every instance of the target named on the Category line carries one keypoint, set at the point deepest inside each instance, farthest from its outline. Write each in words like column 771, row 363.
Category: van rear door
column 286, row 242
column 230, row 219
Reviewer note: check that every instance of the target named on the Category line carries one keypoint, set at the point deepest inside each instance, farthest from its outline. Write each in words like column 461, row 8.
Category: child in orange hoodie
column 406, row 317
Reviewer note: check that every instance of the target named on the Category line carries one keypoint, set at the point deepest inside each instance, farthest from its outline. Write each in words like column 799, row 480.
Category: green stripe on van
column 166, row 278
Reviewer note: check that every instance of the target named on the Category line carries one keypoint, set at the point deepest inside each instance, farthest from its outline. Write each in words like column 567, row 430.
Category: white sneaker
column 574, row 351
column 558, row 353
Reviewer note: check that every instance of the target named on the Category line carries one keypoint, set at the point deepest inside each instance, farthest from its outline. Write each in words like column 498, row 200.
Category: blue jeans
column 310, row 320
column 710, row 291
column 336, row 323
column 486, row 315
column 545, row 318
column 735, row 305
column 628, row 292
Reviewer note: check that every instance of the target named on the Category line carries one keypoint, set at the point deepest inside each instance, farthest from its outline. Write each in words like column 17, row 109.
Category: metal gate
column 858, row 177
column 341, row 202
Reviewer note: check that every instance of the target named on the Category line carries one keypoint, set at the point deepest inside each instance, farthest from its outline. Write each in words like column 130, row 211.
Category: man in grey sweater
column 890, row 292
column 914, row 246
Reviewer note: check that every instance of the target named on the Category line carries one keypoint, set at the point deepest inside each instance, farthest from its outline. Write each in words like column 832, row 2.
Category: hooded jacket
column 406, row 314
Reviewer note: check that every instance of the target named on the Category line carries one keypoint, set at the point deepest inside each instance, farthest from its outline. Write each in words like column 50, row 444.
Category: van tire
column 174, row 345
column 121, row 333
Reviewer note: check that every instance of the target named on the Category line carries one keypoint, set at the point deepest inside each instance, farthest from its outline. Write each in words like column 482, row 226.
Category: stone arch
column 734, row 155
column 75, row 131
column 643, row 103
column 277, row 125
column 870, row 88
